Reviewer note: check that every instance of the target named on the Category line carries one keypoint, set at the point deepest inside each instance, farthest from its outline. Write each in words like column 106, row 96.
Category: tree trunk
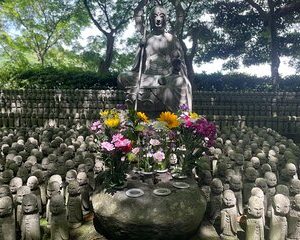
column 106, row 64
column 274, row 45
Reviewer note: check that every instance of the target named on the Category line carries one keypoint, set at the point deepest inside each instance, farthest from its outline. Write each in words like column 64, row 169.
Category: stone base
column 151, row 217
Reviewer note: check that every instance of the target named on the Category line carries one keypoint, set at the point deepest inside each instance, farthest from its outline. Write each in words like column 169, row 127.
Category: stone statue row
column 253, row 186
column 46, row 173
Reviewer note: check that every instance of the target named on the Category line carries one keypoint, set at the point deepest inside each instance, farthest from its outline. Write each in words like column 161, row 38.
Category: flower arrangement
column 129, row 139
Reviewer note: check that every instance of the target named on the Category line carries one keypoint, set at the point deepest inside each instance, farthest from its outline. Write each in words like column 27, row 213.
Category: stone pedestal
column 176, row 216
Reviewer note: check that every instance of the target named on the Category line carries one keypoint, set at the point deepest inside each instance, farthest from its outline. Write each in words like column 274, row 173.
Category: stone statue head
column 71, row 175
column 29, row 204
column 53, row 188
column 281, row 204
column 294, row 187
column 255, row 207
column 257, row 192
column 291, row 169
column 255, row 162
column 229, row 198
column 283, row 189
column 216, row 186
column 56, row 178
column 6, row 206
column 251, row 174
column 262, row 184
column 99, row 166
column 297, row 202
column 14, row 184
column 73, row 188
column 5, row 191
column 21, row 192
column 235, row 183
column 271, row 179
column 57, row 205
column 82, row 178
column 7, row 175
column 158, row 18
column 32, row 182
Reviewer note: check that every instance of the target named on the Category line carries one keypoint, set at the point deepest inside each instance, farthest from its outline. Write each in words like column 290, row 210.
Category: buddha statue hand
column 143, row 42
column 162, row 80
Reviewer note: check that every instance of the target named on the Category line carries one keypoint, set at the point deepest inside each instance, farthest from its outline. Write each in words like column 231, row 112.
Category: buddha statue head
column 158, row 19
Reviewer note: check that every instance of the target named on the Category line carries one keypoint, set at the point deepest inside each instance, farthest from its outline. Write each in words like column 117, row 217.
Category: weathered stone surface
column 176, row 216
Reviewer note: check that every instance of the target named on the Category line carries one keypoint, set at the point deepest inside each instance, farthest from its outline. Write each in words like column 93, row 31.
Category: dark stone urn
column 175, row 216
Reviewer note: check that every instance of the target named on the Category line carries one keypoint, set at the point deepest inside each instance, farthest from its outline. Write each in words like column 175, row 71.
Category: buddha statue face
column 21, row 192
column 235, row 183
column 255, row 207
column 290, row 169
column 4, row 191
column 271, row 179
column 14, row 184
column 294, row 186
column 57, row 204
column 216, row 186
column 229, row 199
column 29, row 203
column 71, row 176
column 297, row 202
column 82, row 178
column 53, row 188
column 99, row 167
column 5, row 206
column 158, row 18
column 32, row 182
column 281, row 204
column 73, row 188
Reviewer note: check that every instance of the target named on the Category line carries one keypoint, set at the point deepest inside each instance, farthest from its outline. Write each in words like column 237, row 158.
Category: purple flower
column 121, row 106
column 107, row 146
column 184, row 107
column 206, row 129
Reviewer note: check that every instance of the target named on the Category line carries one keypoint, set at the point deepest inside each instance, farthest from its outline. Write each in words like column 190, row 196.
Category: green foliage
column 243, row 31
column 36, row 26
column 55, row 78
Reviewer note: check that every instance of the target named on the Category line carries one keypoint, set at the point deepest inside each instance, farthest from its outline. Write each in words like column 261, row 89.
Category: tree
column 40, row 25
column 111, row 18
column 188, row 25
column 255, row 30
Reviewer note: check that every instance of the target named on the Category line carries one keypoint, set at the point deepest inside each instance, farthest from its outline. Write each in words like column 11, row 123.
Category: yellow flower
column 104, row 113
column 194, row 116
column 170, row 119
column 142, row 116
column 112, row 122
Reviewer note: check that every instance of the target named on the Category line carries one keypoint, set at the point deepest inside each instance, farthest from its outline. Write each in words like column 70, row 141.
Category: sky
column 211, row 67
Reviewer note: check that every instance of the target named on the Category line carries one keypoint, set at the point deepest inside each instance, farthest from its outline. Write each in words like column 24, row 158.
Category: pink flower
column 117, row 137
column 154, row 142
column 107, row 146
column 159, row 156
column 96, row 126
column 123, row 144
column 135, row 150
column 187, row 120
